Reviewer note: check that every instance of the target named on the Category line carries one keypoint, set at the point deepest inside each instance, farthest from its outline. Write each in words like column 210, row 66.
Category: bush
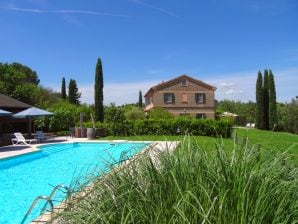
column 159, row 113
column 135, row 113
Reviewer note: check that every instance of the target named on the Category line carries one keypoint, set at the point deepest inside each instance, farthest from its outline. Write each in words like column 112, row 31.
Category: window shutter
column 165, row 98
column 197, row 97
column 173, row 97
column 204, row 97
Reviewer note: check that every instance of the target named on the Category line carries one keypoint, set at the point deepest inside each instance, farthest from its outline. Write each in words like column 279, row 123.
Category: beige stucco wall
column 191, row 107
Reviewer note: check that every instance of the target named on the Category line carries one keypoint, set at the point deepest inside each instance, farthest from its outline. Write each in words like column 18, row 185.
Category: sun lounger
column 40, row 136
column 19, row 139
column 247, row 125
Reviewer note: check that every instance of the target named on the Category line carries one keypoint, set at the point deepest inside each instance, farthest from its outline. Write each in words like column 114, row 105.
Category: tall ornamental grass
column 191, row 185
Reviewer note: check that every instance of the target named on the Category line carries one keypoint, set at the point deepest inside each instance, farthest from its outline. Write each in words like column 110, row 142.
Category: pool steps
column 48, row 200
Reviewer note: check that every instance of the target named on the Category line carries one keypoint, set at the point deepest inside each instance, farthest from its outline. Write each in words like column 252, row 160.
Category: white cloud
column 229, row 88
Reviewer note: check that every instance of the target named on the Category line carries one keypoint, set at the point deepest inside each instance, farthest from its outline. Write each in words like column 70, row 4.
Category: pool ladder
column 48, row 200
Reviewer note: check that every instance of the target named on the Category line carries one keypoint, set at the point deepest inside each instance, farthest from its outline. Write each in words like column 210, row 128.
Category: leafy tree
column 63, row 89
column 47, row 97
column 288, row 116
column 73, row 93
column 266, row 100
column 246, row 111
column 259, row 101
column 140, row 103
column 98, row 92
column 272, row 101
column 16, row 80
column 26, row 92
column 66, row 115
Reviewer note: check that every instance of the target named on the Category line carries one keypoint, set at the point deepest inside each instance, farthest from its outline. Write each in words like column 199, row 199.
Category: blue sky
column 143, row 42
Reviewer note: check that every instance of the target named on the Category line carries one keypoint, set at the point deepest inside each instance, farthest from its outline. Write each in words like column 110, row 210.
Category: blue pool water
column 24, row 178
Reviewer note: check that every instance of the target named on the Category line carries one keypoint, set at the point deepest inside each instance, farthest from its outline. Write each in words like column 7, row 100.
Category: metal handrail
column 54, row 191
column 48, row 199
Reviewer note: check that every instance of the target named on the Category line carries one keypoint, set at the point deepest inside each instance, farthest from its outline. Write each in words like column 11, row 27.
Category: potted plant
column 91, row 131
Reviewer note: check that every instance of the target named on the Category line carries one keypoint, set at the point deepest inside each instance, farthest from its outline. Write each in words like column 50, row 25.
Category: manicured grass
column 281, row 141
column 275, row 141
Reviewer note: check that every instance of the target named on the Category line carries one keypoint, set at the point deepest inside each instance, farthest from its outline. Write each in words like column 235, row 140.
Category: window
column 184, row 97
column 184, row 82
column 169, row 98
column 201, row 116
column 200, row 98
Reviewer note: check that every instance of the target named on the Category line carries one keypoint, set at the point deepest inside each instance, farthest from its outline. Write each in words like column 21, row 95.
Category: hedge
column 177, row 126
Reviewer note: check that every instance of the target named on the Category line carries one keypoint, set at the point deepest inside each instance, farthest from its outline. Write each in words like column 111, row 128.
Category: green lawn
column 276, row 141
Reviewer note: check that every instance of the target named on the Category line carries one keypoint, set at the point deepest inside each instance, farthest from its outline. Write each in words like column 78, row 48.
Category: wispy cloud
column 62, row 11
column 119, row 93
column 164, row 11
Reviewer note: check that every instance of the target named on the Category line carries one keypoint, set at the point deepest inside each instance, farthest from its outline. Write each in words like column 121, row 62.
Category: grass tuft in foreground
column 192, row 185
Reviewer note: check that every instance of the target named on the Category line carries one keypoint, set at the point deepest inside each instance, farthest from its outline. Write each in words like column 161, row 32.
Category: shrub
column 135, row 113
column 115, row 121
column 159, row 113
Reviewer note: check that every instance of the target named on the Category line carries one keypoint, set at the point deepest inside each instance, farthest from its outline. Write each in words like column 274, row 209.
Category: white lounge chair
column 19, row 139
column 252, row 125
column 247, row 125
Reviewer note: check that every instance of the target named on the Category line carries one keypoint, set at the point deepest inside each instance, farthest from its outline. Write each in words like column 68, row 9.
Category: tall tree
column 63, row 89
column 98, row 92
column 20, row 82
column 272, row 101
column 266, row 100
column 73, row 93
column 259, row 101
column 140, row 103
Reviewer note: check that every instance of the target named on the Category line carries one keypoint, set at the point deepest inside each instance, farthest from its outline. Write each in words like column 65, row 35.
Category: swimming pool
column 23, row 178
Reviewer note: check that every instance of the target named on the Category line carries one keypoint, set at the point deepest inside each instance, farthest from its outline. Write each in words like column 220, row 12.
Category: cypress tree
column 73, row 93
column 266, row 100
column 140, row 103
column 259, row 101
column 98, row 92
column 272, row 101
column 63, row 89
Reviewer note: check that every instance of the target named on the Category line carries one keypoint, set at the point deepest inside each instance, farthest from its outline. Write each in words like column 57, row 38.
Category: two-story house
column 183, row 96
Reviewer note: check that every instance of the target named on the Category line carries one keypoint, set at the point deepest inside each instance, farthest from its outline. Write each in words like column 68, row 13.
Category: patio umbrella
column 32, row 112
column 5, row 113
